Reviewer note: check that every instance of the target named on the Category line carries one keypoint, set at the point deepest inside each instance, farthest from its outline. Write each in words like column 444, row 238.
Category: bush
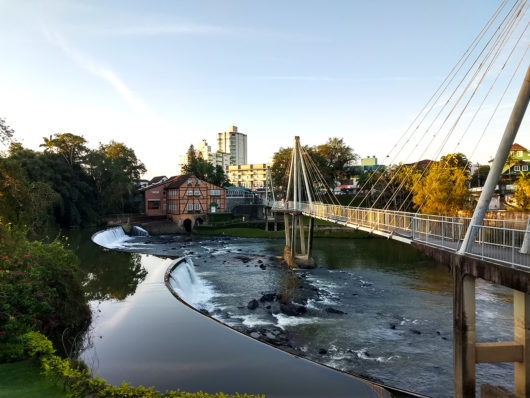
column 40, row 288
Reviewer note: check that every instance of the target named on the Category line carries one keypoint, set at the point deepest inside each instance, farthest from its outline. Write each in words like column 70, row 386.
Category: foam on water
column 139, row 231
column 112, row 238
column 253, row 320
column 190, row 287
column 284, row 321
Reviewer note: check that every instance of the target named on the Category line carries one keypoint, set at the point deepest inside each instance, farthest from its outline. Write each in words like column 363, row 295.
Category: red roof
column 517, row 147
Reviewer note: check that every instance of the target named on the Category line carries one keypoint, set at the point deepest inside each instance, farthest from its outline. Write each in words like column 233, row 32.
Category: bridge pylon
column 298, row 247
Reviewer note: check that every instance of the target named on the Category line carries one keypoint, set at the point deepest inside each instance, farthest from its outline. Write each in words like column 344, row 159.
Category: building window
column 197, row 206
column 190, row 192
column 153, row 204
column 189, row 207
column 215, row 192
column 155, row 191
column 519, row 154
column 197, row 192
column 190, row 181
column 197, row 182
column 524, row 168
column 516, row 168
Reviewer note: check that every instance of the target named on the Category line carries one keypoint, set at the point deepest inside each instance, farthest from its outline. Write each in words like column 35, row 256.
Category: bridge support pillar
column 463, row 334
column 302, row 237
column 521, row 334
column 287, row 228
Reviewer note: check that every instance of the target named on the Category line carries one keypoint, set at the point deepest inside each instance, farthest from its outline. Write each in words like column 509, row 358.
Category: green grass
column 23, row 380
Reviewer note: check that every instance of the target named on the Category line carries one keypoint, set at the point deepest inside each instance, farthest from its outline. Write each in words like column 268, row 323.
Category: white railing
column 497, row 240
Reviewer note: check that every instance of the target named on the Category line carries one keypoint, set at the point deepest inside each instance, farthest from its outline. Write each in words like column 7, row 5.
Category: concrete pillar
column 293, row 237
column 310, row 237
column 302, row 237
column 463, row 334
column 287, row 234
column 526, row 240
column 521, row 335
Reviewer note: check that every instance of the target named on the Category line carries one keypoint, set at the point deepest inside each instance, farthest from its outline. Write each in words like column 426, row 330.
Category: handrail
column 497, row 240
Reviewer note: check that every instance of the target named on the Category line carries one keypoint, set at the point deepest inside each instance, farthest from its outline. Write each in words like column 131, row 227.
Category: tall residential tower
column 234, row 143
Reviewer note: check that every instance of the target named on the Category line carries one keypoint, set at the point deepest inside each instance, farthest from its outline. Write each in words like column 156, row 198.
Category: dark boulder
column 292, row 309
column 268, row 297
column 253, row 304
column 335, row 311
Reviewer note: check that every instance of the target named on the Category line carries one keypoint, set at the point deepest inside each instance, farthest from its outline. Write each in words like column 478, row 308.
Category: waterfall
column 139, row 231
column 111, row 238
column 190, row 287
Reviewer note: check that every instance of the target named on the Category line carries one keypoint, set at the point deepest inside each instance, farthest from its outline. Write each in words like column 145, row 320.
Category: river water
column 373, row 308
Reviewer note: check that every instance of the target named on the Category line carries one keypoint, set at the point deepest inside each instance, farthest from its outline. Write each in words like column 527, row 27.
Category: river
column 373, row 308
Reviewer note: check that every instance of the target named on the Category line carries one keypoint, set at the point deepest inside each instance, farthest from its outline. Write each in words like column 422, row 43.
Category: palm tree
column 49, row 144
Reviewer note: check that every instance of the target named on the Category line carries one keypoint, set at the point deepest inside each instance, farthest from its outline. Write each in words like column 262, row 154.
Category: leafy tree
column 22, row 202
column 70, row 146
column 479, row 176
column 443, row 190
column 338, row 158
column 78, row 200
column 522, row 191
column 6, row 132
column 204, row 170
column 281, row 161
column 114, row 169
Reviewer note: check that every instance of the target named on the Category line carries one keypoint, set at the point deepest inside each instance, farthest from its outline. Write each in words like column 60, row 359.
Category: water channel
column 373, row 308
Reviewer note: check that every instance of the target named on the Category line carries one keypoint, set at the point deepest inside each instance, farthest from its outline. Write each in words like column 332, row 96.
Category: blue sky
column 162, row 75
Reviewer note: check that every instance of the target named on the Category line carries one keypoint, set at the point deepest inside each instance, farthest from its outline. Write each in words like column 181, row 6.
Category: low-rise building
column 369, row 163
column 518, row 160
column 184, row 197
column 251, row 176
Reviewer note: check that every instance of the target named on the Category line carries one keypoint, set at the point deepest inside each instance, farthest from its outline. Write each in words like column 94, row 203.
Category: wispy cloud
column 103, row 72
column 344, row 79
column 142, row 29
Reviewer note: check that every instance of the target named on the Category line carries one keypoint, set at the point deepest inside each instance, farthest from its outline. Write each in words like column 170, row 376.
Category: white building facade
column 234, row 143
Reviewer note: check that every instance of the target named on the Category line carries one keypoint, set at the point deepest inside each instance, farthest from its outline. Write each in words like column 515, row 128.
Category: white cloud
column 101, row 71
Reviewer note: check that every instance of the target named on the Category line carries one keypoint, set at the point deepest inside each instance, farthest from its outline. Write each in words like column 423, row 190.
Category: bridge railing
column 498, row 240
column 499, row 244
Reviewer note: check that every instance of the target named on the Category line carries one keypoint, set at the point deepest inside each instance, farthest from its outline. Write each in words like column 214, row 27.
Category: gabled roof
column 156, row 180
column 179, row 180
column 517, row 147
column 422, row 163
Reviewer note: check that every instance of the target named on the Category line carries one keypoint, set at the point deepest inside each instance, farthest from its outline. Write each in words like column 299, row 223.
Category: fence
column 498, row 240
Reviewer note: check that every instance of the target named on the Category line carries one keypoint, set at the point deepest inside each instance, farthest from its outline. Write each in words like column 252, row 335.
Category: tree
column 281, row 161
column 443, row 190
column 522, row 191
column 338, row 158
column 70, row 146
column 115, row 169
column 479, row 176
column 6, row 132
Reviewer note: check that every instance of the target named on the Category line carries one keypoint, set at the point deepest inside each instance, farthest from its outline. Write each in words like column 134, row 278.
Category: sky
column 161, row 75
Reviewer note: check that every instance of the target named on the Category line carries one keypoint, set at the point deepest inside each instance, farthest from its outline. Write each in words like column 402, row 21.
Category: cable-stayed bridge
column 496, row 250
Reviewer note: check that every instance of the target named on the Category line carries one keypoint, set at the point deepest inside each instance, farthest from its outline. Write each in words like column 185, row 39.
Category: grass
column 23, row 379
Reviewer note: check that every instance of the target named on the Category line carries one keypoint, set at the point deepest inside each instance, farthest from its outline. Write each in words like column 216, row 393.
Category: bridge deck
column 498, row 241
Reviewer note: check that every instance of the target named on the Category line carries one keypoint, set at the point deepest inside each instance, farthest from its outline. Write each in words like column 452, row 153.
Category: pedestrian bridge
column 500, row 241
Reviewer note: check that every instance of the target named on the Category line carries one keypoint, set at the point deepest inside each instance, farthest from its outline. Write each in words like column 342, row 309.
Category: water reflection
column 108, row 274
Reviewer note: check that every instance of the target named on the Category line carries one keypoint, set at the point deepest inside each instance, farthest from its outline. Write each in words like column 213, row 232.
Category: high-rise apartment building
column 202, row 149
column 234, row 143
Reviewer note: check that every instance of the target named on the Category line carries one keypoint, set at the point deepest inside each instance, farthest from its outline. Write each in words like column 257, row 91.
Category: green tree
column 338, row 158
column 479, row 176
column 114, row 169
column 281, row 161
column 6, row 132
column 443, row 190
column 522, row 191
column 70, row 146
